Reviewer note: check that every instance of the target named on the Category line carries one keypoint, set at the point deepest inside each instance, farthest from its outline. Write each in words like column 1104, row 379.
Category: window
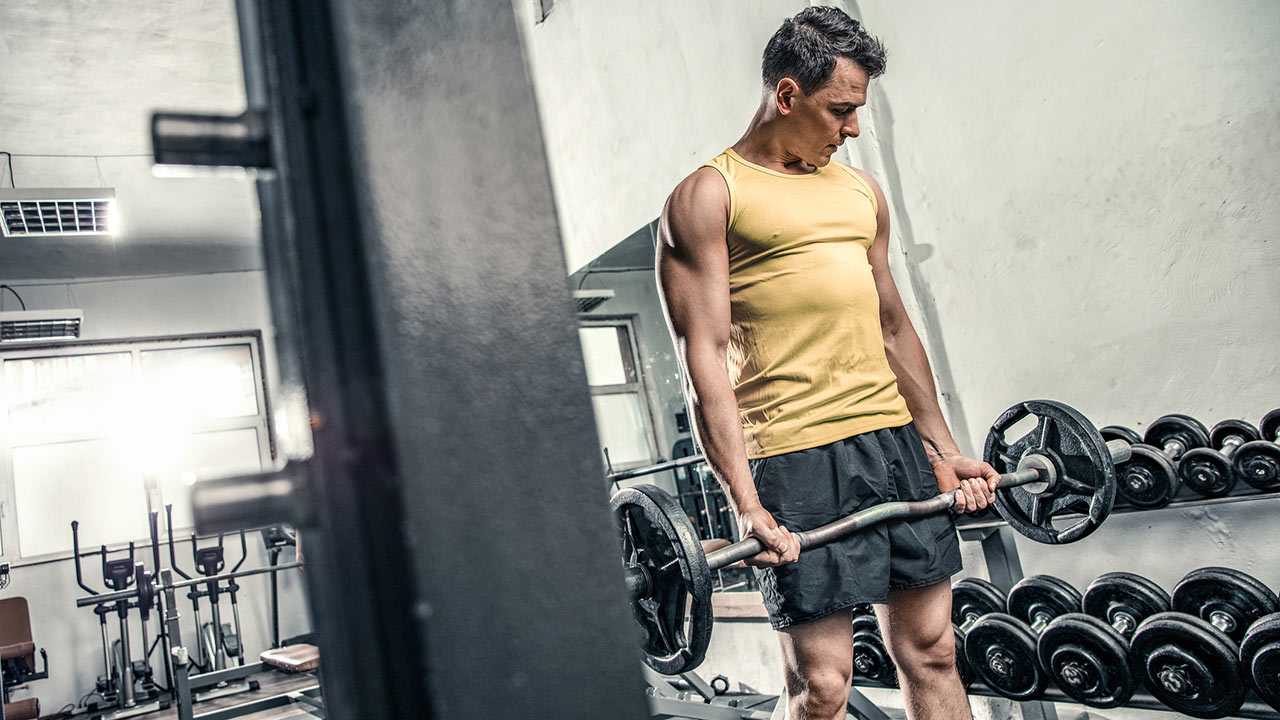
column 623, row 418
column 104, row 433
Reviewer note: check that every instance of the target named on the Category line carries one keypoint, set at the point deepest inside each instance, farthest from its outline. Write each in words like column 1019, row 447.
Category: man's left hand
column 975, row 479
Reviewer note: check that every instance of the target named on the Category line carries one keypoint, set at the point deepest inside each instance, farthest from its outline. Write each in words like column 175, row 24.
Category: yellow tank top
column 806, row 354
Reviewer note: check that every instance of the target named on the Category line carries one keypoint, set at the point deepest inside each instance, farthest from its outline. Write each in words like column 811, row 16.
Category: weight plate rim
column 1024, row 586
column 1168, row 471
column 1186, row 464
column 980, row 589
column 1270, row 425
column 1215, row 576
column 1249, row 449
column 698, row 637
column 1251, row 646
column 1186, row 422
column 1223, row 429
column 1166, row 622
column 1097, row 600
column 1120, row 432
column 1017, row 628
column 1100, row 502
column 1104, row 635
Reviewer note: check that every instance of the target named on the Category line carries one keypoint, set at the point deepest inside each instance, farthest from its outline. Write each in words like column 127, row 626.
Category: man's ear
column 785, row 95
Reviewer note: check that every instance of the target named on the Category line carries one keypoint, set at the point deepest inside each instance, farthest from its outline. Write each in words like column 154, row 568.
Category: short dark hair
column 806, row 48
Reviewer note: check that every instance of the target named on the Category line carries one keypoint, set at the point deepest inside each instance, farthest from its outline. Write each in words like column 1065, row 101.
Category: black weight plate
column 1258, row 462
column 974, row 597
column 1124, row 599
column 1086, row 473
column 1188, row 664
column 1120, row 432
column 1270, row 426
column 657, row 535
column 1225, row 429
column 1043, row 595
column 1260, row 655
column 1002, row 654
column 870, row 658
column 1183, row 428
column 1207, row 472
column 962, row 662
column 1088, row 660
column 1148, row 480
column 1239, row 596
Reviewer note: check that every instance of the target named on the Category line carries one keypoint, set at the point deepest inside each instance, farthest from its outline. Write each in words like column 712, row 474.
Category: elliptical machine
column 218, row 641
column 127, row 684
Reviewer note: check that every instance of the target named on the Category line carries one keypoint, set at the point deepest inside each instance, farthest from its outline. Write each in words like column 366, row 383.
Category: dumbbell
column 870, row 657
column 1208, row 470
column 1141, row 489
column 1087, row 653
column 1189, row 658
column 1260, row 657
column 1258, row 462
column 971, row 599
column 1149, row 479
column 1001, row 647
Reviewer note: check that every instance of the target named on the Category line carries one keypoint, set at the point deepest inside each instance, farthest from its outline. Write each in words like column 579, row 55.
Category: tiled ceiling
column 78, row 82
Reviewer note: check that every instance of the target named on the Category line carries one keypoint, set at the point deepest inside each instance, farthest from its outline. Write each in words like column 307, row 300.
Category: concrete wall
column 1083, row 198
column 635, row 96
column 144, row 307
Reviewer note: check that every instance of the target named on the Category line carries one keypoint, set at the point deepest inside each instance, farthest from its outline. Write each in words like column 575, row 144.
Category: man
column 810, row 389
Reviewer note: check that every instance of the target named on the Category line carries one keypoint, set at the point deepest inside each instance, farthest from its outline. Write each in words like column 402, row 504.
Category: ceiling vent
column 40, row 324
column 587, row 300
column 58, row 212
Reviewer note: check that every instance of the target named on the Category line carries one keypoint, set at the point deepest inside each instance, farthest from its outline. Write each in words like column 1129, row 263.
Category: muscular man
column 810, row 389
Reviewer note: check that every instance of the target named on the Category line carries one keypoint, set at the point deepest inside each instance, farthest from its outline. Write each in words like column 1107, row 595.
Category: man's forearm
column 719, row 430
column 908, row 361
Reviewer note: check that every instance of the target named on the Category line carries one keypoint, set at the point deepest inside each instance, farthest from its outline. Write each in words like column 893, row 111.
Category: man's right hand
column 781, row 545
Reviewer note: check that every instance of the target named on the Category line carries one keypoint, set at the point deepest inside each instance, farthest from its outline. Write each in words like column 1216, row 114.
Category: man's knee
column 924, row 651
column 823, row 691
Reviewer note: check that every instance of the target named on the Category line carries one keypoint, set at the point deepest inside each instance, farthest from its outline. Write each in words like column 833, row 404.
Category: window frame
column 10, row 543
column 640, row 386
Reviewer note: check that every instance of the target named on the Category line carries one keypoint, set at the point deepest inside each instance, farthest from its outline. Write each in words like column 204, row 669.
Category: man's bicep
column 693, row 260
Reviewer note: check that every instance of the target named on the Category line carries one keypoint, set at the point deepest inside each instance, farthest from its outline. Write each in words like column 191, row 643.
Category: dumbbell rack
column 1005, row 569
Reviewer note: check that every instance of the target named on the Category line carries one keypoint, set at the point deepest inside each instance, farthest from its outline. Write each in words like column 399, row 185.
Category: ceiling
column 78, row 82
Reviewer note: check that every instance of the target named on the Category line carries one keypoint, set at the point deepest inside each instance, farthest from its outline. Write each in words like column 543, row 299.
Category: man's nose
column 850, row 128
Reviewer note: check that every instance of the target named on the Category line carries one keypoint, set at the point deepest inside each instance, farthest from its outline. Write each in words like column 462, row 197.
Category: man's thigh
column 917, row 621
column 818, row 647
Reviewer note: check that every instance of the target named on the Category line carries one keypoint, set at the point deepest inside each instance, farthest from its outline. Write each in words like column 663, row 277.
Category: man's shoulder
column 705, row 187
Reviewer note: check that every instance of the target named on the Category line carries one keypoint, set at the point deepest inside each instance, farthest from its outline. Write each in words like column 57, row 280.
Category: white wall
column 635, row 96
column 122, row 308
column 1084, row 208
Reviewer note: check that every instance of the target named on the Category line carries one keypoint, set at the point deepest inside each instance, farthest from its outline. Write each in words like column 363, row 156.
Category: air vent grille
column 40, row 325
column 57, row 213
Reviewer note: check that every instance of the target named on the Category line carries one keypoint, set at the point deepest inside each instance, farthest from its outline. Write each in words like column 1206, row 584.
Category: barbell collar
column 228, row 504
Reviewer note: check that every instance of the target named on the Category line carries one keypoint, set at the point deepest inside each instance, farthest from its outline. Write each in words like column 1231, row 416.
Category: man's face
column 822, row 120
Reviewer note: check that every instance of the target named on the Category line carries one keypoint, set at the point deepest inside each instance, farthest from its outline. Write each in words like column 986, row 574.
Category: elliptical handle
column 173, row 558
column 75, row 546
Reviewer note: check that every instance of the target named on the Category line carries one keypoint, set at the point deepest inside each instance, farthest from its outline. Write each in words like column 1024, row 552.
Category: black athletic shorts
column 809, row 488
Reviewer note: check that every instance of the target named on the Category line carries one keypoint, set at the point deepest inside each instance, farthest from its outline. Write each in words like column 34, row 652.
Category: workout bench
column 18, row 657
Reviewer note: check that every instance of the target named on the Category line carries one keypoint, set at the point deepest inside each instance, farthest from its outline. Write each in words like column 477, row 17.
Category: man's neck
column 763, row 145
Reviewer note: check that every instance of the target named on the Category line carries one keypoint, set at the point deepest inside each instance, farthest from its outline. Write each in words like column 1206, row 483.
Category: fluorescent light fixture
column 40, row 325
column 58, row 212
column 588, row 299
